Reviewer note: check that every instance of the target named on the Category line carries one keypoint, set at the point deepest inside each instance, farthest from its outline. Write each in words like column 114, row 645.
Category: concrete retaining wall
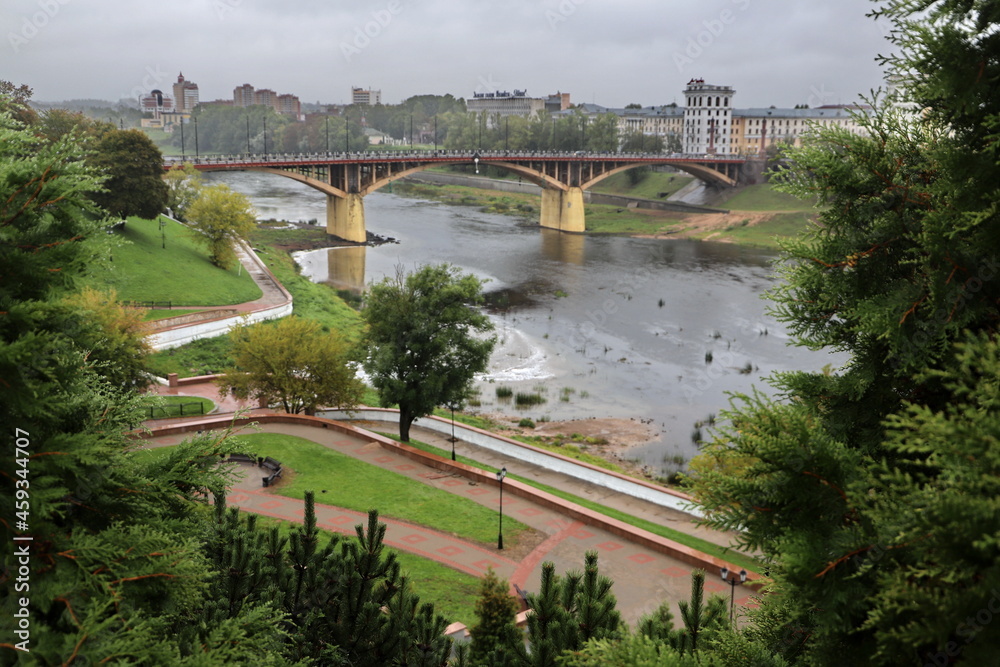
column 540, row 457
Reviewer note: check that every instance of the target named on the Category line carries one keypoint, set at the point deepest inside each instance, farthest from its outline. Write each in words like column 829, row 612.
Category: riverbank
column 767, row 220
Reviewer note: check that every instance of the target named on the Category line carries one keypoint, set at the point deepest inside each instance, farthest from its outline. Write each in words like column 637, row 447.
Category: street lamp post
column 453, row 438
column 724, row 573
column 197, row 154
column 500, row 475
column 328, row 136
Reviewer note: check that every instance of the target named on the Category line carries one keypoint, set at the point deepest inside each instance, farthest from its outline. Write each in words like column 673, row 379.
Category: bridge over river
column 345, row 178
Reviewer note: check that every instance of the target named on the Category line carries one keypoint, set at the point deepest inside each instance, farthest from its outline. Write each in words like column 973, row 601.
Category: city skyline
column 632, row 51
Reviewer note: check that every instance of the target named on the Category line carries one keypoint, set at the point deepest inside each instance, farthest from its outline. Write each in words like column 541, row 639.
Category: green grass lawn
column 360, row 486
column 767, row 234
column 452, row 593
column 704, row 546
column 652, row 186
column 311, row 301
column 143, row 270
column 202, row 357
column 763, row 197
column 603, row 219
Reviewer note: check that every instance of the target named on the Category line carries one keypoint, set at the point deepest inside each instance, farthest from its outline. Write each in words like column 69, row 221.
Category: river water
column 601, row 326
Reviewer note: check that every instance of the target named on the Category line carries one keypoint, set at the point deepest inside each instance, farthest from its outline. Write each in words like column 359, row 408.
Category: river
column 601, row 326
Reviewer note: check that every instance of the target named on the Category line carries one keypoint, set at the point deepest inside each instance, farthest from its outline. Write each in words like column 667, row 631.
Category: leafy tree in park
column 113, row 336
column 133, row 167
column 184, row 186
column 423, row 350
column 294, row 362
column 220, row 218
column 114, row 563
column 902, row 266
column 495, row 633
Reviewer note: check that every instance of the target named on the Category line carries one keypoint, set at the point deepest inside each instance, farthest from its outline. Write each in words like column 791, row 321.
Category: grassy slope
column 763, row 197
column 311, row 300
column 360, row 486
column 654, row 185
column 657, row 529
column 142, row 270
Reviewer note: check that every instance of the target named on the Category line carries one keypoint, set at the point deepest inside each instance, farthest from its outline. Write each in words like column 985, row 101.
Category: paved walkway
column 643, row 578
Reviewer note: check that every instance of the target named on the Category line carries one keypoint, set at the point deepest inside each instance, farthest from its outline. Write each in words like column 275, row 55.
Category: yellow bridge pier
column 345, row 217
column 563, row 210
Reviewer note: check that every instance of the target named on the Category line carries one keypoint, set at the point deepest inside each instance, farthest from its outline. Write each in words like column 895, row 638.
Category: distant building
column 504, row 103
column 557, row 102
column 243, row 95
column 366, row 97
column 756, row 129
column 185, row 94
column 286, row 104
column 156, row 103
column 707, row 118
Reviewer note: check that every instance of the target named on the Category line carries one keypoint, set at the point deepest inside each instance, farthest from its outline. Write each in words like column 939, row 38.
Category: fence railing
column 175, row 410
column 150, row 305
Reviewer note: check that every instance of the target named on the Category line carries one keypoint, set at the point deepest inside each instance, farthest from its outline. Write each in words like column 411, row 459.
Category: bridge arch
column 704, row 173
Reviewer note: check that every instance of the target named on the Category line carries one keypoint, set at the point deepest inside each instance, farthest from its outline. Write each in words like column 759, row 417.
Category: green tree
column 294, row 362
column 423, row 350
column 220, row 218
column 114, row 563
column 569, row 611
column 14, row 100
column 133, row 167
column 901, row 267
column 495, row 631
column 184, row 186
column 345, row 602
column 113, row 336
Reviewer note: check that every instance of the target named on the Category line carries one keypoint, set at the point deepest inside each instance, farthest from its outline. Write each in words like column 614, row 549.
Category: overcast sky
column 612, row 52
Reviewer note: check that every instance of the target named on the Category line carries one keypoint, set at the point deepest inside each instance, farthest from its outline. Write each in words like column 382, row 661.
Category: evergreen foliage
column 422, row 345
column 495, row 633
column 568, row 611
column 849, row 486
column 344, row 602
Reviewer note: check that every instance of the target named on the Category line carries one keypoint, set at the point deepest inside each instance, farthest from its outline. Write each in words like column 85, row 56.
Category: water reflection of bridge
column 346, row 178
column 345, row 265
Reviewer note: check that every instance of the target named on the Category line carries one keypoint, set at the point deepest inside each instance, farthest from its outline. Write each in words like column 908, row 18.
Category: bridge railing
column 387, row 156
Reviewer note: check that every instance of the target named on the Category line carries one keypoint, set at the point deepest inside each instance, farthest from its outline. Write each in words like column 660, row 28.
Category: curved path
column 643, row 577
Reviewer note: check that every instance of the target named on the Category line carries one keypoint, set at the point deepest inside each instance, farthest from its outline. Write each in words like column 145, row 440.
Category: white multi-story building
column 708, row 118
column 505, row 103
column 368, row 97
